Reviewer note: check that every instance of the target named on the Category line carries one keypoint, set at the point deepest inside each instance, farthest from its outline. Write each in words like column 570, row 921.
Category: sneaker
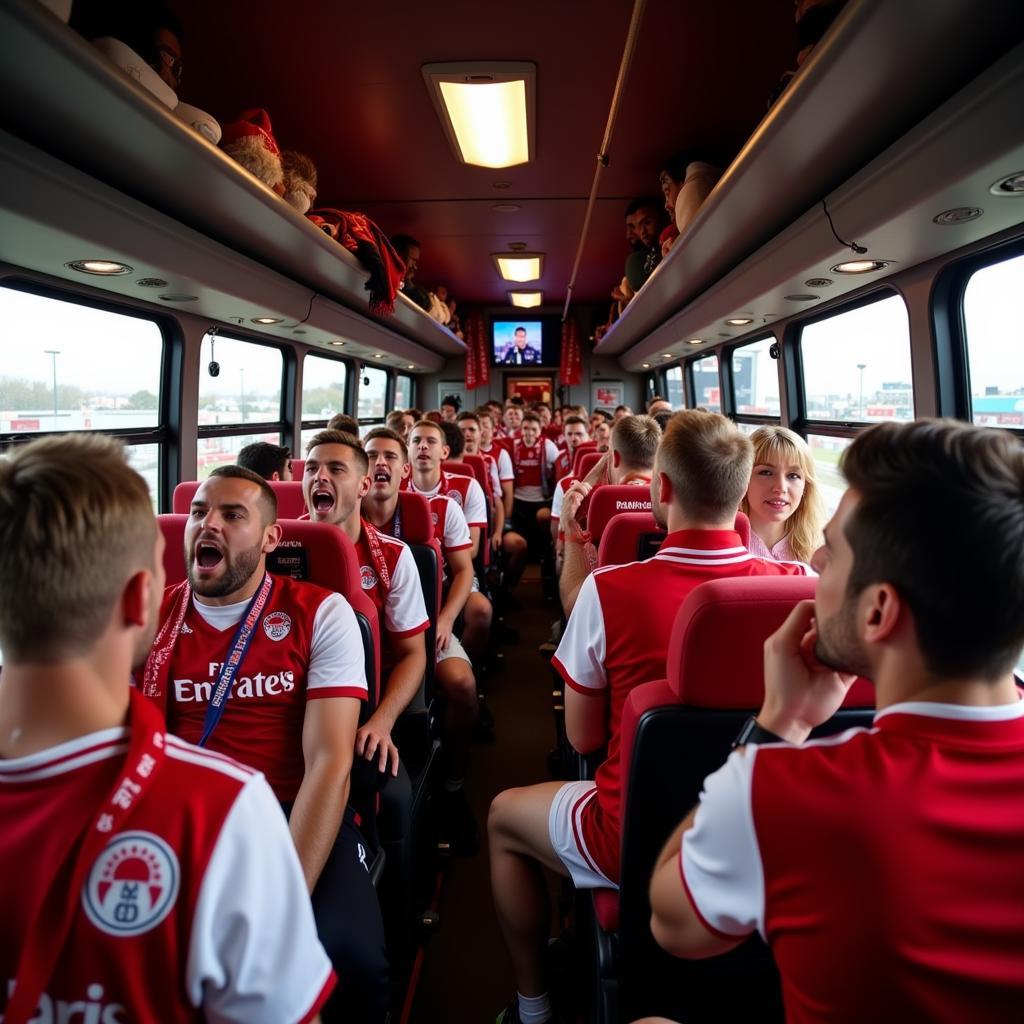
column 457, row 825
column 510, row 1015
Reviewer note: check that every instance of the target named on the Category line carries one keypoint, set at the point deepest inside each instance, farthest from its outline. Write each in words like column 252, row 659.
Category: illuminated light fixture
column 645, row 366
column 336, row 344
column 1011, row 185
column 486, row 110
column 740, row 321
column 520, row 267
column 695, row 341
column 958, row 215
column 179, row 298
column 667, row 355
column 105, row 268
column 411, row 366
column 378, row 355
column 526, row 300
column 266, row 319
column 859, row 266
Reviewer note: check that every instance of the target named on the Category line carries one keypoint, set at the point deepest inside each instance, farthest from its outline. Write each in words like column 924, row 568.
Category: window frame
column 689, row 388
column 389, row 390
column 412, row 390
column 321, row 422
column 169, row 399
column 726, row 375
column 663, row 382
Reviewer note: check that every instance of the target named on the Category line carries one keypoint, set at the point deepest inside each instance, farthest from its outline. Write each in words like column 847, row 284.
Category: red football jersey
column 617, row 638
column 532, row 468
column 396, row 591
column 306, row 646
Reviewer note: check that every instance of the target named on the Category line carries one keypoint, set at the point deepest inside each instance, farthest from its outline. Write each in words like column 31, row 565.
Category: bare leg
column 477, row 625
column 455, row 678
column 514, row 546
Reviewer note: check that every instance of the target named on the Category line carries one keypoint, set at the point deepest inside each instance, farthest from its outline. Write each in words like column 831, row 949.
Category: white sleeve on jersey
column 254, row 956
column 557, row 498
column 456, row 530
column 476, row 505
column 336, row 657
column 405, row 614
column 720, row 860
column 505, row 471
column 495, row 480
column 580, row 655
column 550, row 453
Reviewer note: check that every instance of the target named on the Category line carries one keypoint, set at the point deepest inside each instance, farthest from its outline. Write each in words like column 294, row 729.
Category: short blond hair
column 708, row 459
column 636, row 439
column 76, row 523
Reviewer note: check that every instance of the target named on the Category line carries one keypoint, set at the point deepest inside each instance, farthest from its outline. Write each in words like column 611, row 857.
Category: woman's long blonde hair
column 780, row 445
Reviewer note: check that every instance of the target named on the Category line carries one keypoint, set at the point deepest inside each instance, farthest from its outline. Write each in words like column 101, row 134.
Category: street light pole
column 53, row 353
column 862, row 367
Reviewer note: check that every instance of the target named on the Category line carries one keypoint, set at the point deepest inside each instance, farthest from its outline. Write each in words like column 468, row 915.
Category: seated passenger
column 408, row 250
column 450, row 406
column 294, row 708
column 389, row 467
column 601, row 434
column 512, row 417
column 334, row 484
column 620, row 411
column 271, row 461
column 469, row 424
column 783, row 504
column 685, row 184
column 574, row 433
column 656, row 404
column 882, row 866
column 634, row 443
column 142, row 874
column 346, row 424
column 617, row 638
column 299, row 180
column 400, row 422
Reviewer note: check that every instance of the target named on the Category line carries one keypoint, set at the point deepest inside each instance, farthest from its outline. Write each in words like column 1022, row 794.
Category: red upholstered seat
column 581, row 449
column 479, row 467
column 290, row 503
column 417, row 525
column 298, row 468
column 458, row 468
column 611, row 500
column 583, row 462
column 632, row 536
column 315, row 552
column 606, row 909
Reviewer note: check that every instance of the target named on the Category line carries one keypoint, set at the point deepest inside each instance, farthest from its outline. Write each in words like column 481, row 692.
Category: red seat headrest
column 298, row 468
column 479, row 467
column 417, row 524
column 623, row 533
column 612, row 499
column 584, row 461
column 716, row 651
column 290, row 503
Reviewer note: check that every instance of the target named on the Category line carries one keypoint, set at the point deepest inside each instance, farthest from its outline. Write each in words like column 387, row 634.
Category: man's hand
column 571, row 502
column 445, row 625
column 373, row 740
column 496, row 542
column 799, row 691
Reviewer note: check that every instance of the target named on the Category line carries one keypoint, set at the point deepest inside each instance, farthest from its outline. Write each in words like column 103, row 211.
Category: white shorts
column 454, row 650
column 566, row 833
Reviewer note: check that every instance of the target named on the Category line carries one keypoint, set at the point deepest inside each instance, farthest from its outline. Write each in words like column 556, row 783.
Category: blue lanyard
column 236, row 652
column 396, row 522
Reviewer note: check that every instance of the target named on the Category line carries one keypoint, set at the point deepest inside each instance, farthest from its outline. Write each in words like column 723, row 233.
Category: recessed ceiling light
column 667, row 355
column 179, row 298
column 105, row 268
column 801, row 298
column 378, row 355
column 1011, row 185
column 411, row 366
column 645, row 366
column 521, row 267
column 300, row 330
column 958, row 215
column 266, row 319
column 526, row 300
column 486, row 109
column 695, row 341
column 818, row 282
column 503, row 184
column 859, row 266
column 506, row 208
column 151, row 282
column 337, row 344
column 740, row 321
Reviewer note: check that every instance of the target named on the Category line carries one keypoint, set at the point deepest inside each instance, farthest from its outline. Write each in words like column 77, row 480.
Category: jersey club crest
column 367, row 577
column 277, row 625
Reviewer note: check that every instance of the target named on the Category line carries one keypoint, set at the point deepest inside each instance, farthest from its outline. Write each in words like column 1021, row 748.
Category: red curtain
column 569, row 371
column 478, row 367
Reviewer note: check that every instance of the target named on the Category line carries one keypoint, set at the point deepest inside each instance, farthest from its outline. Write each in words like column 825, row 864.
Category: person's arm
column 328, row 739
column 508, row 493
column 587, row 724
column 373, row 740
column 460, row 565
column 474, row 540
column 599, row 471
column 499, row 524
column 579, row 555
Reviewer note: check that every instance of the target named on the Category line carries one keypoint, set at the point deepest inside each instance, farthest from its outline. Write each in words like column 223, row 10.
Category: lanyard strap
column 236, row 652
column 376, row 553
column 396, row 521
column 49, row 930
column 163, row 645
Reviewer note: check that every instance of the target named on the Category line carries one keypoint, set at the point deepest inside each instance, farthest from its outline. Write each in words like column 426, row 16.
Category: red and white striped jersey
column 532, row 467
column 396, row 592
column 464, row 491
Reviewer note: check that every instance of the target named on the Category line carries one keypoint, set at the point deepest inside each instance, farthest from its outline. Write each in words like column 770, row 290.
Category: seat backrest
column 635, row 536
column 290, row 503
column 585, row 459
column 681, row 729
column 479, row 467
column 613, row 499
column 298, row 468
column 458, row 468
column 314, row 552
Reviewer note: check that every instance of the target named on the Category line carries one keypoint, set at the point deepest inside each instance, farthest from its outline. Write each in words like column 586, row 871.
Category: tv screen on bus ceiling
column 524, row 342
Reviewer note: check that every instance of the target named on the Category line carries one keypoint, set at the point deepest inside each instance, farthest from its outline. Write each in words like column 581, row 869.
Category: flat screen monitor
column 525, row 342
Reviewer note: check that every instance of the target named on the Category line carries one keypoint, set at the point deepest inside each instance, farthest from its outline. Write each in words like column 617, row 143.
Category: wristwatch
column 752, row 732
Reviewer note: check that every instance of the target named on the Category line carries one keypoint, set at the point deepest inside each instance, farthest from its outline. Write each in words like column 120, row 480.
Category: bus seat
column 482, row 560
column 635, row 536
column 458, row 468
column 681, row 728
column 298, row 468
column 583, row 446
column 290, row 503
column 584, row 461
column 611, row 500
column 479, row 467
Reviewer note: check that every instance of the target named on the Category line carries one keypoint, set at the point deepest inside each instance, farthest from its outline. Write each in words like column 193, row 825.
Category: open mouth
column 381, row 476
column 323, row 501
column 208, row 556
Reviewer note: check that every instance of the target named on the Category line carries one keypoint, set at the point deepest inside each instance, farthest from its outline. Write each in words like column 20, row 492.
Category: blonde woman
column 783, row 502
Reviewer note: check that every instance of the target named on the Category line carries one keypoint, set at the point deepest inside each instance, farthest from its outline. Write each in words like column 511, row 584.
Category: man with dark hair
column 896, row 848
column 520, row 352
column 656, row 404
column 290, row 657
column 645, row 217
column 161, row 877
column 342, row 421
column 408, row 249
column 271, row 461
column 450, row 406
column 400, row 422
column 617, row 638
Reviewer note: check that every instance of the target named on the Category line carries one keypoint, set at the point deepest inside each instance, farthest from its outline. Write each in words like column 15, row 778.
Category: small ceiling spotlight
column 958, row 215
column 740, row 321
column 818, row 282
column 645, row 366
column 179, row 298
column 801, row 298
column 695, row 341
column 860, row 266
column 105, row 268
column 151, row 282
column 411, row 366
column 266, row 319
column 378, row 355
column 336, row 344
column 1011, row 185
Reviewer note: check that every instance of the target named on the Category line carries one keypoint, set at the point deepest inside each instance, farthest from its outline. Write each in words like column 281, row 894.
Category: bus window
column 372, row 395
column 239, row 404
column 826, row 452
column 755, row 380
column 995, row 357
column 707, row 391
column 856, row 364
column 323, row 394
column 72, row 367
column 403, row 392
column 674, row 387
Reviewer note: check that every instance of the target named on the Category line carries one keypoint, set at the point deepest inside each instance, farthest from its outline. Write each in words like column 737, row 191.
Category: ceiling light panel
column 520, row 267
column 486, row 110
column 526, row 300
